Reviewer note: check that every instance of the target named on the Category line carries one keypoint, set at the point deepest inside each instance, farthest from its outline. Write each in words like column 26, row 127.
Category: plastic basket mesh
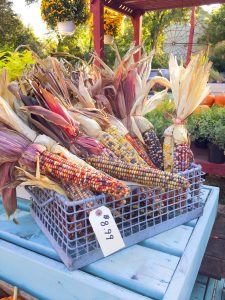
column 144, row 213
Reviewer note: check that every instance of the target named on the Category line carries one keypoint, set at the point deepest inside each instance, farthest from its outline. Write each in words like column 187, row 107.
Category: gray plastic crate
column 146, row 213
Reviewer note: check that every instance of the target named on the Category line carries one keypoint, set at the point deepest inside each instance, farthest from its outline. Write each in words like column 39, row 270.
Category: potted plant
column 217, row 135
column 211, row 126
column 112, row 25
column 197, row 128
column 64, row 14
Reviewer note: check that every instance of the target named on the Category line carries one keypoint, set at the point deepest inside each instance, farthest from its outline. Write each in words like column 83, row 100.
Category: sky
column 31, row 16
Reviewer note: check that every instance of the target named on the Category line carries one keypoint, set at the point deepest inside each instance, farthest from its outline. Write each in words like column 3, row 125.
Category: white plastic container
column 108, row 39
column 66, row 27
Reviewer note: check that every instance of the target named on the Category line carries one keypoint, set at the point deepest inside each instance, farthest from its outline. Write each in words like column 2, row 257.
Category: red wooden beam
column 97, row 9
column 118, row 6
column 137, row 6
column 191, row 34
column 137, row 24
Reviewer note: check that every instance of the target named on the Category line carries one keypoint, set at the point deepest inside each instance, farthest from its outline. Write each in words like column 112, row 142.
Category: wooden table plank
column 47, row 279
column 211, row 287
column 202, row 279
column 184, row 277
column 172, row 241
column 97, row 288
column 138, row 268
column 26, row 234
column 198, row 291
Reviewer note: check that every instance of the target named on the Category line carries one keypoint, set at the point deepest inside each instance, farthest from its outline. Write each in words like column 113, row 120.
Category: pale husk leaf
column 40, row 181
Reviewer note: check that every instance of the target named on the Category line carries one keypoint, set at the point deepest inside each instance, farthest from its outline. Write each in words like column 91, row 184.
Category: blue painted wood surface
column 208, row 289
column 163, row 267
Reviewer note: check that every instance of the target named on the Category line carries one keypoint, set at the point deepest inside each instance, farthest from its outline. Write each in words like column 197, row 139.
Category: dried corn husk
column 8, row 192
column 39, row 180
column 189, row 88
column 4, row 92
column 143, row 105
column 9, row 118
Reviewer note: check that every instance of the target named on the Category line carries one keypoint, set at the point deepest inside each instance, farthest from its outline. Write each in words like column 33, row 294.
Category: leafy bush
column 217, row 126
column 160, row 60
column 208, row 124
column 15, row 62
column 218, row 57
column 218, row 63
column 158, row 119
column 197, row 125
column 216, row 76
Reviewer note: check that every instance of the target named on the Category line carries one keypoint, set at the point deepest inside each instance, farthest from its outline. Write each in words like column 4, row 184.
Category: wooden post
column 137, row 24
column 97, row 9
column 191, row 35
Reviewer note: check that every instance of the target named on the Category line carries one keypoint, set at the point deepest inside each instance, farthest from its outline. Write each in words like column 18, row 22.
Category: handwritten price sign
column 106, row 230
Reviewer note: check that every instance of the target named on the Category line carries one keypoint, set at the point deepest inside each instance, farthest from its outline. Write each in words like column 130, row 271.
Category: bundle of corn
column 9, row 118
column 189, row 88
column 84, row 97
column 148, row 177
column 111, row 138
column 140, row 148
column 131, row 102
column 123, row 140
column 49, row 116
column 60, row 168
column 15, row 149
column 139, row 126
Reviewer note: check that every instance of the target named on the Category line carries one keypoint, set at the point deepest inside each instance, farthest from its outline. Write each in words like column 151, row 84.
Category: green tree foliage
column 15, row 62
column 216, row 26
column 218, row 56
column 79, row 44
column 12, row 31
column 155, row 22
column 215, row 37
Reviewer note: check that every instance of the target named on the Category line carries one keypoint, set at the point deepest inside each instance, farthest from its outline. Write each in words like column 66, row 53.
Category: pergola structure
column 135, row 9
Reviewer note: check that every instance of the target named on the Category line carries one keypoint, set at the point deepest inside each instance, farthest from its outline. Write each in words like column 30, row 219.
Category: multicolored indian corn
column 154, row 148
column 182, row 158
column 146, row 176
column 75, row 192
column 139, row 147
column 61, row 169
column 122, row 149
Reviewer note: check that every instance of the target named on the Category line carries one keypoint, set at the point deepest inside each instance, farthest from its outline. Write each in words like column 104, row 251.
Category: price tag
column 106, row 230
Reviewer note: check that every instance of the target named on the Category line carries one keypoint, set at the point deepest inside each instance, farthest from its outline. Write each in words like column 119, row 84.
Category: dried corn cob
column 62, row 169
column 154, row 148
column 76, row 193
column 168, row 150
column 139, row 147
column 127, row 156
column 182, row 158
column 146, row 176
column 126, row 144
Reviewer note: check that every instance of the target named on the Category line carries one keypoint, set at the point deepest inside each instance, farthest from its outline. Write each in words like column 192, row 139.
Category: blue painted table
column 163, row 267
